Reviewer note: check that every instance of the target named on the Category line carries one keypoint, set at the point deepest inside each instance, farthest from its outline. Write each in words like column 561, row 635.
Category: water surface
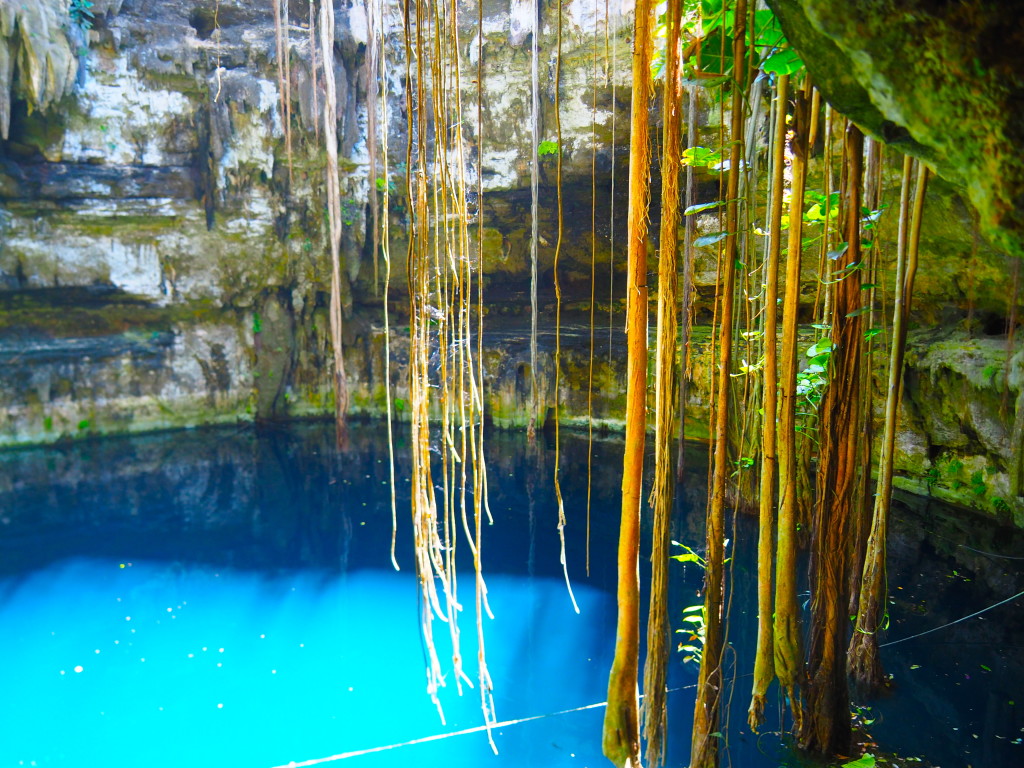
column 226, row 598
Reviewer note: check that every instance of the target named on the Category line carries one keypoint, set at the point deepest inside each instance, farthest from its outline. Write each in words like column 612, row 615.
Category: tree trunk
column 656, row 666
column 621, row 737
column 789, row 655
column 704, row 748
column 862, row 659
column 826, row 725
column 764, row 666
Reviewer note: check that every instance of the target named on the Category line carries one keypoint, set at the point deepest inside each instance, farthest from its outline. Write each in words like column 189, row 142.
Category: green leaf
column 867, row 761
column 767, row 32
column 701, row 157
column 870, row 333
column 838, row 252
column 819, row 347
column 693, row 608
column 713, row 82
column 687, row 558
column 786, row 62
column 859, row 311
column 868, row 286
column 702, row 207
column 711, row 239
column 547, row 148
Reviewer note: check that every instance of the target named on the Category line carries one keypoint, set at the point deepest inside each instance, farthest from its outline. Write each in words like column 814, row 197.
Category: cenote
column 623, row 382
column 225, row 597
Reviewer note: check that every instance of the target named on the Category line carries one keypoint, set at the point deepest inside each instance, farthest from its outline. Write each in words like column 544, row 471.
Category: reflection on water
column 225, row 598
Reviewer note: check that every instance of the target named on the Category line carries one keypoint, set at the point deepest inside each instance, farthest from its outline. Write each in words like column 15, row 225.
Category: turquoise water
column 225, row 599
column 165, row 664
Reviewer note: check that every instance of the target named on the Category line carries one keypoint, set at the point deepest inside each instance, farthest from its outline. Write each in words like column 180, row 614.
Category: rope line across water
column 439, row 736
column 506, row 723
column 435, row 737
column 950, row 624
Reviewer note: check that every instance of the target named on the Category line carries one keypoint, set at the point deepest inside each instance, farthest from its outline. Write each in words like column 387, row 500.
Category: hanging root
column 755, row 713
column 864, row 665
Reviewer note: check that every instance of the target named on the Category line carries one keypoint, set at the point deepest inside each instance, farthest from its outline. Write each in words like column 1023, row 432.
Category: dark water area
column 226, row 598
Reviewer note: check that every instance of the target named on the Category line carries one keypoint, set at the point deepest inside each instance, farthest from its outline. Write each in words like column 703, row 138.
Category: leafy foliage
column 81, row 14
column 547, row 148
column 784, row 62
column 866, row 761
column 811, row 381
column 693, row 647
column 712, row 22
column 711, row 239
column 702, row 207
column 702, row 157
column 693, row 615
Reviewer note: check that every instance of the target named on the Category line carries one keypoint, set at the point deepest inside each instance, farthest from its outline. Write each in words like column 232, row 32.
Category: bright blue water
column 164, row 664
column 225, row 599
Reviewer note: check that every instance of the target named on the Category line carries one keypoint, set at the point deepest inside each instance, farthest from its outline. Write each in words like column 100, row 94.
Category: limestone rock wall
column 163, row 261
column 144, row 160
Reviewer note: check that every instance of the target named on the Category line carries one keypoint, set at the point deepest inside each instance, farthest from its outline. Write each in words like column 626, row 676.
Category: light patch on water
column 343, row 653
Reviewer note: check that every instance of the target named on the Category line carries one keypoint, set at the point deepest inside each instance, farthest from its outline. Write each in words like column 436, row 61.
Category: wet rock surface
column 942, row 81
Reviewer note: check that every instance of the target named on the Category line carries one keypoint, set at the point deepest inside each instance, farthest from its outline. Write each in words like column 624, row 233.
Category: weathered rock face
column 961, row 422
column 145, row 190
column 163, row 262
column 37, row 57
column 941, row 80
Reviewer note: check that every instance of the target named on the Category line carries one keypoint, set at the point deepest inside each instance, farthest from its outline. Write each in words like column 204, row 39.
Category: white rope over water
column 950, row 624
column 436, row 737
column 506, row 723
column 464, row 732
